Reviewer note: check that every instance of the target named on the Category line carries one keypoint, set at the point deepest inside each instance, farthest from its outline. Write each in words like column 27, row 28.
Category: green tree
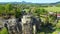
column 2, row 9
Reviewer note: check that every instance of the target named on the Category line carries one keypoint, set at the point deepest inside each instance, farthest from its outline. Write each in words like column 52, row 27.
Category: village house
column 58, row 16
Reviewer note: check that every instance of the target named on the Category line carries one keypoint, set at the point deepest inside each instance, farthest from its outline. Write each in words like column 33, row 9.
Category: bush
column 4, row 31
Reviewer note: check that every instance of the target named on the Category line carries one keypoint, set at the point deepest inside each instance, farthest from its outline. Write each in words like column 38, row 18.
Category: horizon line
column 30, row 2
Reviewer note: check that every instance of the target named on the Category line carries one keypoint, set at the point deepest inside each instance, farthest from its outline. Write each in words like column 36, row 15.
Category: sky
column 33, row 1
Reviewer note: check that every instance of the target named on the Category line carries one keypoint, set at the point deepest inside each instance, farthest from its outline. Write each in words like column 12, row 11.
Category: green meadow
column 52, row 9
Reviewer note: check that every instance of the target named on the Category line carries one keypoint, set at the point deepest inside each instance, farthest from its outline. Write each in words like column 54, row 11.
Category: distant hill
column 23, row 2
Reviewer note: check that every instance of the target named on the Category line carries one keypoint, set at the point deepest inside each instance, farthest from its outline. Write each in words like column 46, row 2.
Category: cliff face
column 26, row 25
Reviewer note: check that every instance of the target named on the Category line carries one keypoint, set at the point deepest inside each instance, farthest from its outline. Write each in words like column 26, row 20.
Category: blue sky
column 33, row 1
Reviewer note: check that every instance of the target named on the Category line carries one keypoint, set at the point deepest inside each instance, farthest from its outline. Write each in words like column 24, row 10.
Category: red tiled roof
column 58, row 14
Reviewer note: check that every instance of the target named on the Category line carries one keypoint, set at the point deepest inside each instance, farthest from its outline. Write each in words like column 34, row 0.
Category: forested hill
column 23, row 2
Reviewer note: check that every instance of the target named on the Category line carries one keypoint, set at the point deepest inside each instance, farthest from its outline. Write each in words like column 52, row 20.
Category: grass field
column 54, row 9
